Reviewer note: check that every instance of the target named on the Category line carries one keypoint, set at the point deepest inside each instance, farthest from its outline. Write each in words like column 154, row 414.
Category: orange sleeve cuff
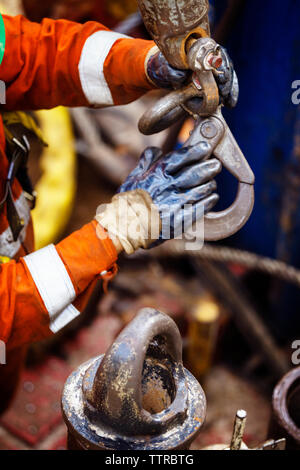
column 41, row 62
column 124, row 69
column 86, row 254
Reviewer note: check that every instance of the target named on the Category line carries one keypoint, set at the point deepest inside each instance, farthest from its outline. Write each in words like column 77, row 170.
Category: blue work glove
column 161, row 198
column 163, row 75
column 175, row 180
column 227, row 81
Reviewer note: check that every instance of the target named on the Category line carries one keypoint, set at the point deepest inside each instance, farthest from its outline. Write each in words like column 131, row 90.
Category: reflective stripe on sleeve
column 54, row 285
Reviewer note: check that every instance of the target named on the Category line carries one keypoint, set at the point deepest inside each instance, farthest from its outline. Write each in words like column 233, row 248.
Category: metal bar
column 238, row 430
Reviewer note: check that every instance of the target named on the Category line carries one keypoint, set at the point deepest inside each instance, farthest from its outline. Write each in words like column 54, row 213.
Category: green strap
column 2, row 38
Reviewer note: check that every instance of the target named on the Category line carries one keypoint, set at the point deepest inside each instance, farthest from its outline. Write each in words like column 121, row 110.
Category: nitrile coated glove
column 161, row 194
column 163, row 75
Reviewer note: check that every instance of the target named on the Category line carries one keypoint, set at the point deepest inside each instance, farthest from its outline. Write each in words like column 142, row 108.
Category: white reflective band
column 54, row 285
column 91, row 65
column 63, row 318
column 9, row 247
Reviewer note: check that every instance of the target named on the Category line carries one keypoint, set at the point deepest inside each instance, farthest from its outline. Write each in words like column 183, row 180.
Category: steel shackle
column 174, row 105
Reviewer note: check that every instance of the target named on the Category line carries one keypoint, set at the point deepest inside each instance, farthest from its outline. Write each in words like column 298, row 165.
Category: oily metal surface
column 115, row 395
column 171, row 22
column 286, row 409
column 138, row 395
column 203, row 86
column 166, row 111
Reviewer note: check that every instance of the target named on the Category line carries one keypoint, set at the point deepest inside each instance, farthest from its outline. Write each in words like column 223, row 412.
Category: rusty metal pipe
column 138, row 396
column 285, row 421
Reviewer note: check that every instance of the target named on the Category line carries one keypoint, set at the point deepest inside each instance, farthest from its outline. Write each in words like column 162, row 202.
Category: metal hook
column 215, row 131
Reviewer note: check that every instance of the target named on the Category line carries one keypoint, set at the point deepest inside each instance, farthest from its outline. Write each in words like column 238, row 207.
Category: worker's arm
column 44, row 291
column 59, row 62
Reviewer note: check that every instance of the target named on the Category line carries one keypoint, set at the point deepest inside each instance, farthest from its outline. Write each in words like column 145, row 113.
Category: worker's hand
column 227, row 81
column 163, row 75
column 161, row 195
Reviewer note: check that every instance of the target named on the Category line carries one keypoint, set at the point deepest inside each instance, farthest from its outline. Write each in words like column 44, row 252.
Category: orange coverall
column 46, row 65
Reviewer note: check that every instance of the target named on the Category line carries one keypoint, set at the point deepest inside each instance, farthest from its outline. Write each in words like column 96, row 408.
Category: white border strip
column 54, row 285
column 63, row 318
column 91, row 65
